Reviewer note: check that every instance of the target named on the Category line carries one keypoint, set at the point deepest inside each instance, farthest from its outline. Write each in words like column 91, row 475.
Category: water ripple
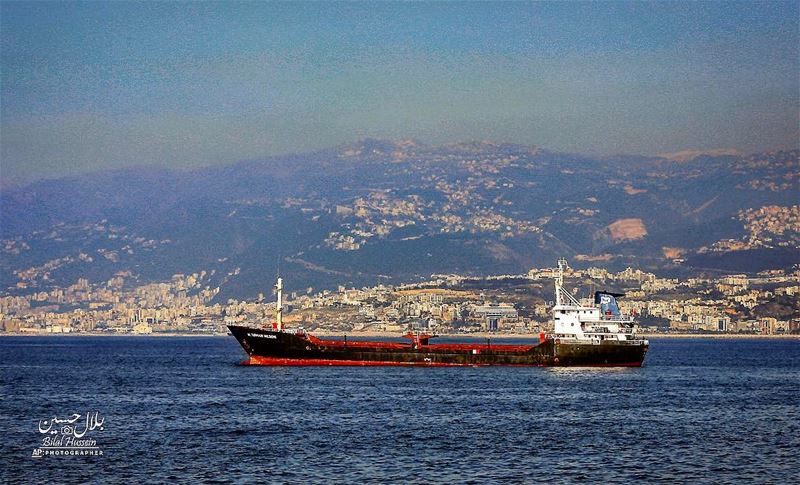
column 179, row 409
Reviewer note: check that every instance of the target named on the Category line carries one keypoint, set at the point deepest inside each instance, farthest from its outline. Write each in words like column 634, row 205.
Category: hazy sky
column 99, row 85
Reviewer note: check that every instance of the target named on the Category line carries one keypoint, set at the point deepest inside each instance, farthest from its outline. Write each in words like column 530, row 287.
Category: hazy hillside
column 381, row 211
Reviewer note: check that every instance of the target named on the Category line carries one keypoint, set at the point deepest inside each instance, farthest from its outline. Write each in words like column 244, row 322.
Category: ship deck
column 448, row 347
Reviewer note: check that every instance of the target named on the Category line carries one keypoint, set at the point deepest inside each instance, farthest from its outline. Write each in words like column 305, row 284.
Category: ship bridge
column 597, row 323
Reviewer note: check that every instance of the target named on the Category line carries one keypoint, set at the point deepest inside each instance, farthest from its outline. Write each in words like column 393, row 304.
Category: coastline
column 720, row 335
column 108, row 334
column 379, row 334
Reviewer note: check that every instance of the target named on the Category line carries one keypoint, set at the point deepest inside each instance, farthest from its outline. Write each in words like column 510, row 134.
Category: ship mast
column 562, row 264
column 562, row 296
column 279, row 288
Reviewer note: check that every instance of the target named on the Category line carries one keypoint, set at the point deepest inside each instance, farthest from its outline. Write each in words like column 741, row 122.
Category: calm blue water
column 180, row 409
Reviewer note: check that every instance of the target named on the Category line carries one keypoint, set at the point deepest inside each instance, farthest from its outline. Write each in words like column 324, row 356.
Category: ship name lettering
column 258, row 335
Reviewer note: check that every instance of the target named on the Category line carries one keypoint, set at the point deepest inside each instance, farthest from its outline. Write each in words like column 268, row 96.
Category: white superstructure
column 590, row 324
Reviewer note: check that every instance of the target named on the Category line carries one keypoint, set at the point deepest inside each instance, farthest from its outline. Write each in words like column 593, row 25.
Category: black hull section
column 607, row 353
column 267, row 347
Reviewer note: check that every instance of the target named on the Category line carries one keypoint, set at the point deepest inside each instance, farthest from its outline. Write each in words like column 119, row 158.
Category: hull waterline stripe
column 278, row 362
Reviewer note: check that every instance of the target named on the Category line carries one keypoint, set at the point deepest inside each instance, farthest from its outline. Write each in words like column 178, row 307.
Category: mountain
column 384, row 211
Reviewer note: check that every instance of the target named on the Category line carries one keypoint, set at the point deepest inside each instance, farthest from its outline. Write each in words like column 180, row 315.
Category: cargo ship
column 584, row 335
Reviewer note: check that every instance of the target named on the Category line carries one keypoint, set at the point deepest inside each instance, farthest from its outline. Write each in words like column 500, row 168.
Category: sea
column 182, row 409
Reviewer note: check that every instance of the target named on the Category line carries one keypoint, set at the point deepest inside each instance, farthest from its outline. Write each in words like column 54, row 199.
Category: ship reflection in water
column 596, row 335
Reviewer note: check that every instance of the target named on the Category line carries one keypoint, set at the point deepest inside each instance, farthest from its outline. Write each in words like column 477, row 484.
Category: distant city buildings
column 736, row 303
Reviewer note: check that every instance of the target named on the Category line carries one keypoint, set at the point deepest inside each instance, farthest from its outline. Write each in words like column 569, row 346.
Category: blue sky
column 89, row 86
